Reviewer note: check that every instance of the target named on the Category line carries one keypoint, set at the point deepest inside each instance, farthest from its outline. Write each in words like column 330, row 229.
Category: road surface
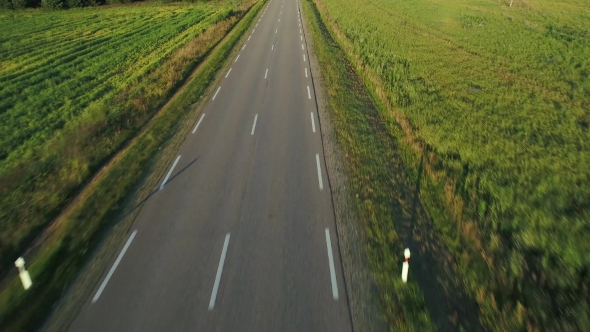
column 240, row 235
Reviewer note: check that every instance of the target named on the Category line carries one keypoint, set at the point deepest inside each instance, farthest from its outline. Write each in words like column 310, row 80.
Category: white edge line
column 198, row 123
column 317, row 159
column 227, row 73
column 219, row 270
column 308, row 93
column 331, row 260
column 216, row 92
column 106, row 280
column 169, row 172
column 312, row 122
column 254, row 125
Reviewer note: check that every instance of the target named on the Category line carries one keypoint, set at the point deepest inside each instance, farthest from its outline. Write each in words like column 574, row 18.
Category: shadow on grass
column 432, row 266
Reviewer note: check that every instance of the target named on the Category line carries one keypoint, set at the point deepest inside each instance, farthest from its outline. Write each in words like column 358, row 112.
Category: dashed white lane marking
column 277, row 31
column 308, row 93
column 216, row 92
column 254, row 125
column 266, row 74
column 303, row 57
column 317, row 160
column 106, row 280
column 219, row 270
column 253, row 30
column 245, row 47
column 227, row 73
column 249, row 37
column 237, row 58
column 301, row 37
column 200, row 119
column 169, row 173
column 299, row 30
column 306, row 72
column 279, row 19
column 301, row 46
column 312, row 122
column 331, row 261
column 273, row 47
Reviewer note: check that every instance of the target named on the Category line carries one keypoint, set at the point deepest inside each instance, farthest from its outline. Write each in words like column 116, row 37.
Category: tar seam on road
column 198, row 123
column 317, row 160
column 312, row 122
column 106, row 280
column 308, row 93
column 219, row 270
column 169, row 172
column 332, row 271
column 254, row 124
column 227, row 73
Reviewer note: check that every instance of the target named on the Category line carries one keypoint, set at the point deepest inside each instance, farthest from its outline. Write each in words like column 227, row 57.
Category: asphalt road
column 241, row 236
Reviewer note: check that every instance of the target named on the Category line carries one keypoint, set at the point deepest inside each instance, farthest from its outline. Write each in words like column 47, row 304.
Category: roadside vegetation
column 372, row 169
column 495, row 101
column 116, row 104
column 76, row 85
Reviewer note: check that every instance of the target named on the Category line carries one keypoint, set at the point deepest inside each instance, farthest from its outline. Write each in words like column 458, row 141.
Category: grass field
column 75, row 86
column 497, row 100
column 64, row 251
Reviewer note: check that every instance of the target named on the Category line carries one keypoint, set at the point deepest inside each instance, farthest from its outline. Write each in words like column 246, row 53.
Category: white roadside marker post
column 23, row 274
column 406, row 265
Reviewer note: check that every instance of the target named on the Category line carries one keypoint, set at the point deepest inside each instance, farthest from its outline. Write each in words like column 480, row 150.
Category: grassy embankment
column 63, row 253
column 497, row 101
column 372, row 169
column 76, row 85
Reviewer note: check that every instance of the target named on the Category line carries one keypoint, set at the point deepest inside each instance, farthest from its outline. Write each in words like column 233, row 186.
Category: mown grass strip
column 373, row 170
column 62, row 256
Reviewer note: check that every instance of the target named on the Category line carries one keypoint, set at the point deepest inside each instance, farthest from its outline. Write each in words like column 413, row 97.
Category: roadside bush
column 52, row 4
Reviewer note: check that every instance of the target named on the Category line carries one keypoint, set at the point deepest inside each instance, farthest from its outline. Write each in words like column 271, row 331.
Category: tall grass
column 66, row 108
column 65, row 250
column 497, row 100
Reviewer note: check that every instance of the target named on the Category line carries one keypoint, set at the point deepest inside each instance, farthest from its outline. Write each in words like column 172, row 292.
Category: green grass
column 497, row 100
column 374, row 173
column 64, row 253
column 77, row 85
